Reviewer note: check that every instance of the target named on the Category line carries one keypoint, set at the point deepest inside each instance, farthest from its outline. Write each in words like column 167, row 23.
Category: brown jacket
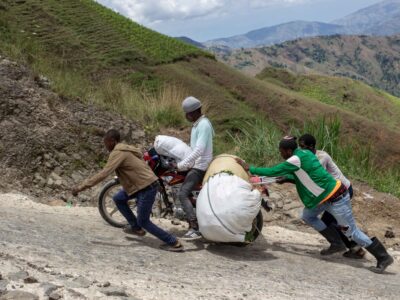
column 132, row 171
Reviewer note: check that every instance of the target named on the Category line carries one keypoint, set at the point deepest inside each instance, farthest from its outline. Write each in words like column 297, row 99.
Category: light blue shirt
column 201, row 142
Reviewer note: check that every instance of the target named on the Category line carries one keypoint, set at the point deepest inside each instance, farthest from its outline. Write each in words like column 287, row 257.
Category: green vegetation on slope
column 86, row 33
column 371, row 59
column 258, row 143
column 96, row 55
column 353, row 96
column 99, row 57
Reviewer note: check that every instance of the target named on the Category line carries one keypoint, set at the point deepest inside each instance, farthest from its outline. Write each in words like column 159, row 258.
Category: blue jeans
column 144, row 202
column 330, row 220
column 342, row 212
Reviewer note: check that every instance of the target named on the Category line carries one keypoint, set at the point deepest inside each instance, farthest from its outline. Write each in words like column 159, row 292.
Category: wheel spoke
column 113, row 211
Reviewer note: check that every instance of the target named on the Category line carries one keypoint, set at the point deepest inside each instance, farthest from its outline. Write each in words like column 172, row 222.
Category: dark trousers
column 144, row 202
column 330, row 220
column 193, row 178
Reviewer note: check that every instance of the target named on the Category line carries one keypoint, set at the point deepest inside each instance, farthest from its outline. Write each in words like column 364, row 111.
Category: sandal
column 178, row 247
column 129, row 230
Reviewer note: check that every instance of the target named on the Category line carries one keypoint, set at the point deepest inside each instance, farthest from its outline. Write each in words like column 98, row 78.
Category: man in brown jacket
column 138, row 181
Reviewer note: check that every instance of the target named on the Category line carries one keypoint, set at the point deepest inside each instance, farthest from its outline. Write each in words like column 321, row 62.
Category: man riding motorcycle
column 197, row 161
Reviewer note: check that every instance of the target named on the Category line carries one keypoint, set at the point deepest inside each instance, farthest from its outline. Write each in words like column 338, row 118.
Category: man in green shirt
column 320, row 192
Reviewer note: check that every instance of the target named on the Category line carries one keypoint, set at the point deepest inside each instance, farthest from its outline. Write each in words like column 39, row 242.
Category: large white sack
column 171, row 147
column 226, row 208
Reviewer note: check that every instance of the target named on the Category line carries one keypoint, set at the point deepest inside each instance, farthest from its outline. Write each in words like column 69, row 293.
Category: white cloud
column 155, row 11
column 264, row 3
column 151, row 11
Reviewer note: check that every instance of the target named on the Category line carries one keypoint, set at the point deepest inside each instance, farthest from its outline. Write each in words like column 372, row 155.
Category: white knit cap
column 190, row 104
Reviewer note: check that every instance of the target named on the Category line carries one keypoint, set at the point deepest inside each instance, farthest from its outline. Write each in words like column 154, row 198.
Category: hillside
column 48, row 142
column 96, row 57
column 345, row 93
column 190, row 41
column 373, row 60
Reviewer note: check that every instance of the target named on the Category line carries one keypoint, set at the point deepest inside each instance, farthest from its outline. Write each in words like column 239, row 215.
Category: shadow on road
column 253, row 252
column 305, row 251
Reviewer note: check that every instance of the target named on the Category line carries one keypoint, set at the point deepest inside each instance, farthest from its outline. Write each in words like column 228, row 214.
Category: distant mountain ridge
column 278, row 34
column 374, row 60
column 379, row 19
column 382, row 18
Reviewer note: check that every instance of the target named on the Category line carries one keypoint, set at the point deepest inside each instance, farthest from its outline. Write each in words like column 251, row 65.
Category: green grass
column 154, row 110
column 93, row 37
column 354, row 159
column 258, row 142
column 348, row 94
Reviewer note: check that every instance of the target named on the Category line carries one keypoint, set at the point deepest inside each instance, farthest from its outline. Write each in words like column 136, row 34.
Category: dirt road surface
column 70, row 253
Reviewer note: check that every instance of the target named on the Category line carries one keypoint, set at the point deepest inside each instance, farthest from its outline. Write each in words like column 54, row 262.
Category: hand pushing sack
column 226, row 208
column 171, row 147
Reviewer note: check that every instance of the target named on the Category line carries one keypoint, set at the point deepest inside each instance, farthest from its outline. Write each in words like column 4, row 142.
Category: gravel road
column 70, row 253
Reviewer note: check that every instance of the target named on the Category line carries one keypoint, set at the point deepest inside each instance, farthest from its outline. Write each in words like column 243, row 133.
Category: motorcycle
column 167, row 204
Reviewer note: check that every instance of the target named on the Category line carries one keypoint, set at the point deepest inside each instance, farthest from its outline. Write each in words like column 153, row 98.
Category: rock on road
column 70, row 253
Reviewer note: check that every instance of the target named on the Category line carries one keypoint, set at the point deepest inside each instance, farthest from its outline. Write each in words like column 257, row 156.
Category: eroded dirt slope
column 47, row 142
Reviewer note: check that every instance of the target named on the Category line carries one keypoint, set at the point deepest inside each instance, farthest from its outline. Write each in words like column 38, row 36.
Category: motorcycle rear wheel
column 253, row 234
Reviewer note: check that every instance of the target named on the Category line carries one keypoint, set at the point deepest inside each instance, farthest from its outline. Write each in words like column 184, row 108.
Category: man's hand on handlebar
column 243, row 164
column 281, row 180
column 173, row 166
column 75, row 191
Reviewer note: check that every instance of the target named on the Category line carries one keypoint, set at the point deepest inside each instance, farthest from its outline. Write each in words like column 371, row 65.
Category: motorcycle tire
column 102, row 204
column 158, row 209
column 258, row 224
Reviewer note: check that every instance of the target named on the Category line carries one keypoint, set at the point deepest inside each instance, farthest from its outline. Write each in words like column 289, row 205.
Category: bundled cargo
column 225, row 163
column 171, row 147
column 227, row 205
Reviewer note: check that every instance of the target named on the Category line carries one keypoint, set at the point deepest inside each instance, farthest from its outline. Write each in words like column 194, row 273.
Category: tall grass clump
column 354, row 159
column 258, row 142
column 154, row 110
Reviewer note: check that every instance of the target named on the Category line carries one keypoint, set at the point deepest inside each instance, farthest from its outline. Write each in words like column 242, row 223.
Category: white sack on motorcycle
column 171, row 147
column 226, row 208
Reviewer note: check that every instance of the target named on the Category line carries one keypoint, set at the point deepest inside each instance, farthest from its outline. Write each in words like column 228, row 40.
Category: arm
column 205, row 134
column 113, row 163
column 331, row 167
column 286, row 168
column 189, row 161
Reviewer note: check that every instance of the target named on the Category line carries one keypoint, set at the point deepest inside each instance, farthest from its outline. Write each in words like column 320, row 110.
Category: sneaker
column 178, row 247
column 192, row 235
column 129, row 230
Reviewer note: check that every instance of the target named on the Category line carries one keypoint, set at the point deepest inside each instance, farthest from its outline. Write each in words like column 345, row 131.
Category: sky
column 204, row 20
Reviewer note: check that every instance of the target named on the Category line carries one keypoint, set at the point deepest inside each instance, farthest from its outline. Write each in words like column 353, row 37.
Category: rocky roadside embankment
column 48, row 142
